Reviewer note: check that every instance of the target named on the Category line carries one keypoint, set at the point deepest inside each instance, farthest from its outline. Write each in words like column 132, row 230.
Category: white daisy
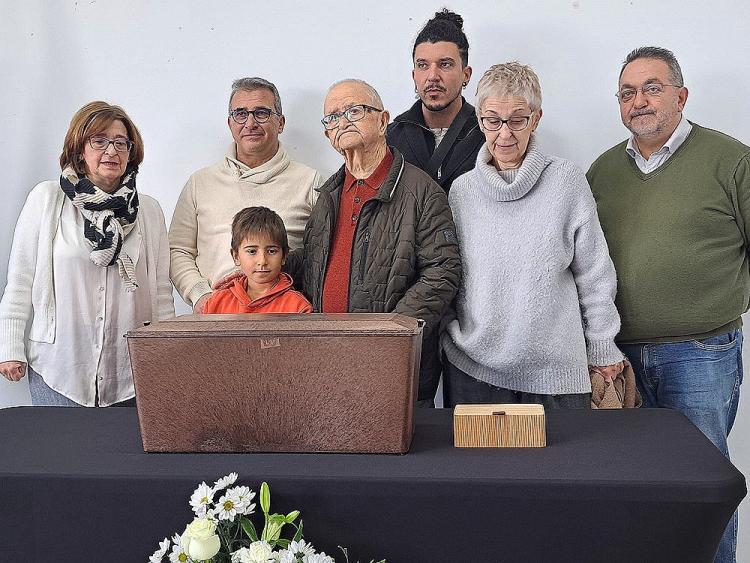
column 301, row 548
column 159, row 553
column 224, row 482
column 243, row 495
column 227, row 507
column 202, row 497
column 318, row 558
column 178, row 554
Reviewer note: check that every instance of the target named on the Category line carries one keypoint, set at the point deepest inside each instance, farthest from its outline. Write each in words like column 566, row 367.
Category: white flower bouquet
column 221, row 531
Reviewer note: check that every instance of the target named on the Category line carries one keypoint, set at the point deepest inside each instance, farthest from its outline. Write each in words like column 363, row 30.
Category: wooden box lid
column 499, row 426
column 282, row 324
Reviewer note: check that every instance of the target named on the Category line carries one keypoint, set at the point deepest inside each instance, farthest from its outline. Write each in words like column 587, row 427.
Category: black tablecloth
column 640, row 485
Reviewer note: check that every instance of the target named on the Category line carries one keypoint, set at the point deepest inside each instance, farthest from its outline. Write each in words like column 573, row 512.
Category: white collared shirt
column 659, row 157
column 88, row 360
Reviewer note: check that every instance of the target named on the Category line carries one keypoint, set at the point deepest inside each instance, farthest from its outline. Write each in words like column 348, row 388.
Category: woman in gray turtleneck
column 536, row 304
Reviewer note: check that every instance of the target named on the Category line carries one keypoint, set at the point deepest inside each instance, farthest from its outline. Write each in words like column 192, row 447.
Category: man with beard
column 674, row 204
column 439, row 133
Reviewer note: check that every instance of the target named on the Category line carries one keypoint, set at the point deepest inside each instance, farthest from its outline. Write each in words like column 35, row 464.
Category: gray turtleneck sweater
column 536, row 304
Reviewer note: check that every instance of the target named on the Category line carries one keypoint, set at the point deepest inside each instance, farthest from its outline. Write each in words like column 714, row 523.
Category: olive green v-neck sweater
column 678, row 237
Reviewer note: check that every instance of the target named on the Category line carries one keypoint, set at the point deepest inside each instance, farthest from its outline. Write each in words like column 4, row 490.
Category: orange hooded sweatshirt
column 281, row 299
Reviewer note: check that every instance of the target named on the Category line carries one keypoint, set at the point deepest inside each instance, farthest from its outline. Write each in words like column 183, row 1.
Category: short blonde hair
column 510, row 79
column 90, row 120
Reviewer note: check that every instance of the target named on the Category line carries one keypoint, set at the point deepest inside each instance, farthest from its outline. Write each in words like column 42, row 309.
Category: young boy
column 259, row 249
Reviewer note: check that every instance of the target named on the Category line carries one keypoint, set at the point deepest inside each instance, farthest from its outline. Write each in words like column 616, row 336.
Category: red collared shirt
column 354, row 194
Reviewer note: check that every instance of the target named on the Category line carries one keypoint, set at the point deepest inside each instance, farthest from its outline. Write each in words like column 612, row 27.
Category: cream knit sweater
column 200, row 233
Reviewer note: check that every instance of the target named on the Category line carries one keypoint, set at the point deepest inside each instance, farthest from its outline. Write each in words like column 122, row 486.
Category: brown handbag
column 620, row 393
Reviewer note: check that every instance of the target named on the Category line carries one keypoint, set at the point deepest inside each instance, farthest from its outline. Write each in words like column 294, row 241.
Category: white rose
column 258, row 552
column 241, row 556
column 199, row 540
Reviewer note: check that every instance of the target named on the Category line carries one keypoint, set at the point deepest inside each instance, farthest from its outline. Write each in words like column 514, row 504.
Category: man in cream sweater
column 255, row 171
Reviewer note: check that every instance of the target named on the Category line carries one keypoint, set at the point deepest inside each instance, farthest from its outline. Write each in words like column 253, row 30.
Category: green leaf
column 265, row 497
column 298, row 533
column 292, row 516
column 249, row 528
column 283, row 543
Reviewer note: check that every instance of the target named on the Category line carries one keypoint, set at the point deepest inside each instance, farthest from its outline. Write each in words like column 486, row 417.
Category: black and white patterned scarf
column 108, row 218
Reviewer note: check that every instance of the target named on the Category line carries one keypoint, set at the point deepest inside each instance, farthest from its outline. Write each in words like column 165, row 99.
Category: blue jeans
column 42, row 395
column 701, row 379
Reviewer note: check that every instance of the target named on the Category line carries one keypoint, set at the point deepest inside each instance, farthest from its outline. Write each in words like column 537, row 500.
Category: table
column 635, row 485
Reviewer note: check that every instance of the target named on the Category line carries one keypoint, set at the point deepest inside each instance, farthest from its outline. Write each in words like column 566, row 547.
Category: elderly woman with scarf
column 536, row 305
column 89, row 261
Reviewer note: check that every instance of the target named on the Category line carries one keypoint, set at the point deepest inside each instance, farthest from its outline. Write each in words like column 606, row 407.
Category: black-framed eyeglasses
column 652, row 90
column 260, row 115
column 100, row 143
column 352, row 114
column 515, row 123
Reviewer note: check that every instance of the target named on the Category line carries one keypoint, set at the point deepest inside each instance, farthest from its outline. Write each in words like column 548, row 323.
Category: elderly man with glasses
column 674, row 203
column 256, row 171
column 381, row 237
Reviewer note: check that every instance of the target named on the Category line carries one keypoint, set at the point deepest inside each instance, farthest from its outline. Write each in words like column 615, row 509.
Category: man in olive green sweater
column 674, row 203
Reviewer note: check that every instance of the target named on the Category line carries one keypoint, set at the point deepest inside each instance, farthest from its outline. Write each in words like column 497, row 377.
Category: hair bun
column 446, row 15
column 445, row 26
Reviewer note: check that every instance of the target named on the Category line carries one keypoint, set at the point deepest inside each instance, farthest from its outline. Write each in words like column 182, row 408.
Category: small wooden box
column 499, row 426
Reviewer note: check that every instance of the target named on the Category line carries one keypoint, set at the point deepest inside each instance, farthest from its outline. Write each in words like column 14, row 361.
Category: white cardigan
column 27, row 309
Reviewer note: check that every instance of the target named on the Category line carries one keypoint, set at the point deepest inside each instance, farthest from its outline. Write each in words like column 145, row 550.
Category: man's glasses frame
column 352, row 114
column 260, row 115
column 652, row 90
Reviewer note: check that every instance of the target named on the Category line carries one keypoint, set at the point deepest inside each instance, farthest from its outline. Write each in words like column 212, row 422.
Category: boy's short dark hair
column 445, row 26
column 257, row 220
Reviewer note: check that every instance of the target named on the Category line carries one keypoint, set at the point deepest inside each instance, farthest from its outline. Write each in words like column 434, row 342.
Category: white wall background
column 170, row 65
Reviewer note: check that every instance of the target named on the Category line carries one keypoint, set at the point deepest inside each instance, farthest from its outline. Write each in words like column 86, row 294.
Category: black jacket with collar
column 410, row 135
column 404, row 255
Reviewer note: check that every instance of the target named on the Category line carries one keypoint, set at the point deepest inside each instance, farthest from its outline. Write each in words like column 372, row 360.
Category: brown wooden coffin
column 277, row 383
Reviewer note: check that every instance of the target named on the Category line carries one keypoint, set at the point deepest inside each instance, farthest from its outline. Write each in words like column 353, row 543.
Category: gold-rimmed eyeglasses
column 652, row 90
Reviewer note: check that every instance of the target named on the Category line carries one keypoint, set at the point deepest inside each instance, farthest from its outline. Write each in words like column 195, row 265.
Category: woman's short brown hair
column 91, row 119
column 257, row 220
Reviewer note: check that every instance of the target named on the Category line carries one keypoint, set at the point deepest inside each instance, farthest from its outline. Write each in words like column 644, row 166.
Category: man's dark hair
column 258, row 220
column 445, row 26
column 659, row 53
